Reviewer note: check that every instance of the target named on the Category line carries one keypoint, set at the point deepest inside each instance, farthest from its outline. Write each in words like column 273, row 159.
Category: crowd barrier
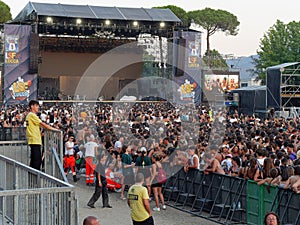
column 30, row 197
column 13, row 134
column 52, row 153
column 228, row 200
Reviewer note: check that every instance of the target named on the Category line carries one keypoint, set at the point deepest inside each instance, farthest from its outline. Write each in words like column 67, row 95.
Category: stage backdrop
column 19, row 85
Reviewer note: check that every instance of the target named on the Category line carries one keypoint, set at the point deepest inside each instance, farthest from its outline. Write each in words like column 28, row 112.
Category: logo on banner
column 20, row 90
column 193, row 59
column 11, row 50
column 187, row 91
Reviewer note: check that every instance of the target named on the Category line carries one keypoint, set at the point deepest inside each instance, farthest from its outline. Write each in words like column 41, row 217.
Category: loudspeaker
column 34, row 58
column 181, row 57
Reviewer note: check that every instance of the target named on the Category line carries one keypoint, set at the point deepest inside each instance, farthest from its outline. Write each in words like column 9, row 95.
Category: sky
column 255, row 17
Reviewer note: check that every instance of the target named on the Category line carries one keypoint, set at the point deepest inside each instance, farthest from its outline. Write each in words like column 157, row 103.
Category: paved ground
column 120, row 214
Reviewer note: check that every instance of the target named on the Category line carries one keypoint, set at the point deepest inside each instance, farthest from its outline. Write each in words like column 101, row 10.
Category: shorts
column 148, row 221
column 156, row 184
column 129, row 179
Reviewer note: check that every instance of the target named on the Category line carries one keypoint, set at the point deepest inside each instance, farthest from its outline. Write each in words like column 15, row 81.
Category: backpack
column 161, row 176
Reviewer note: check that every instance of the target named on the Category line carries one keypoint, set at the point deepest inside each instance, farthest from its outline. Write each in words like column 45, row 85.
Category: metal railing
column 30, row 197
column 13, row 134
column 17, row 150
column 53, row 154
column 229, row 200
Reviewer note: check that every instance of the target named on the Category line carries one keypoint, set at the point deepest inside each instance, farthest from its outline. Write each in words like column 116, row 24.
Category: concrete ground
column 120, row 213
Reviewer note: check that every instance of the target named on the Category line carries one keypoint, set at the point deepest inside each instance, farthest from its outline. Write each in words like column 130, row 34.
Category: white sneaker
column 156, row 209
column 164, row 207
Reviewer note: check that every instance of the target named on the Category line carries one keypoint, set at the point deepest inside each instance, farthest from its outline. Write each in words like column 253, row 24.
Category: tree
column 179, row 12
column 212, row 21
column 5, row 14
column 279, row 45
column 216, row 60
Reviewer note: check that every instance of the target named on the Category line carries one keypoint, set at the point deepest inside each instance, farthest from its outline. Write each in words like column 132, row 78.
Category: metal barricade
column 229, row 200
column 30, row 197
column 287, row 204
column 53, row 154
column 12, row 133
column 17, row 150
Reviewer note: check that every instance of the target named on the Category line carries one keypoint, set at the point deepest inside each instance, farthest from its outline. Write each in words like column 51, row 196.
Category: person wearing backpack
column 157, row 181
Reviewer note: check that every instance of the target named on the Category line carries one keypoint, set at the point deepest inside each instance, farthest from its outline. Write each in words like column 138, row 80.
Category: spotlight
column 78, row 21
column 135, row 23
column 162, row 24
column 49, row 20
column 107, row 22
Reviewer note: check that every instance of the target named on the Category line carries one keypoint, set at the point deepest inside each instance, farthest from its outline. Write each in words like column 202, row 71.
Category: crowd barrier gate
column 228, row 200
column 30, row 197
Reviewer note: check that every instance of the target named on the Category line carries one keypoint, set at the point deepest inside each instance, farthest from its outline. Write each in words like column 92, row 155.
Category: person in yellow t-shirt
column 138, row 201
column 33, row 134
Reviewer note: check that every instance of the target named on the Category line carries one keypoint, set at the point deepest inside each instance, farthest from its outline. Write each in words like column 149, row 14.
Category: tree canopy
column 216, row 60
column 280, row 44
column 212, row 21
column 5, row 14
column 179, row 12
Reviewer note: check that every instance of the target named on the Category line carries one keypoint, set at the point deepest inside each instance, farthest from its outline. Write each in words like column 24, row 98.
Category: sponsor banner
column 11, row 49
column 189, row 82
column 194, row 48
column 19, row 85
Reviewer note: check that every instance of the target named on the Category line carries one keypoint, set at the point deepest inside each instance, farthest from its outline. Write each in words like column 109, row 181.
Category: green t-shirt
column 127, row 160
column 146, row 164
column 136, row 194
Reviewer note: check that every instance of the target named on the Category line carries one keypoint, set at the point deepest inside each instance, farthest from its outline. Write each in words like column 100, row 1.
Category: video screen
column 221, row 83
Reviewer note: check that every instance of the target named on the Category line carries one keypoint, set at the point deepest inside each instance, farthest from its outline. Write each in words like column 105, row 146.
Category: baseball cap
column 143, row 149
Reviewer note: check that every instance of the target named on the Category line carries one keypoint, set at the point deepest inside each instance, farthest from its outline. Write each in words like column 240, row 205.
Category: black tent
column 252, row 99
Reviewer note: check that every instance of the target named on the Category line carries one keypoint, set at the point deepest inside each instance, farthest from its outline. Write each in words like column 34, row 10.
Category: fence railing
column 30, row 197
column 13, row 134
column 52, row 153
column 229, row 200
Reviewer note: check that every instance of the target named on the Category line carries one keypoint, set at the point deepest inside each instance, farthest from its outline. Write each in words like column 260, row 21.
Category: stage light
column 49, row 20
column 78, row 21
column 107, row 22
column 135, row 23
column 162, row 24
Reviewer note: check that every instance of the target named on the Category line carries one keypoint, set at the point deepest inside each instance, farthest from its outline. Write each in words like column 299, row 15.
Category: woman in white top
column 193, row 162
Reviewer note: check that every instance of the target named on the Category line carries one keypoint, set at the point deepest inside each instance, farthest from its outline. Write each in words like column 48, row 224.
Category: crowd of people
column 143, row 137
column 194, row 137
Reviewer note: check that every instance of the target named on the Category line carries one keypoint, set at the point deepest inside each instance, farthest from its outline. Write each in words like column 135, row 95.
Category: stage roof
column 251, row 88
column 95, row 12
column 283, row 65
